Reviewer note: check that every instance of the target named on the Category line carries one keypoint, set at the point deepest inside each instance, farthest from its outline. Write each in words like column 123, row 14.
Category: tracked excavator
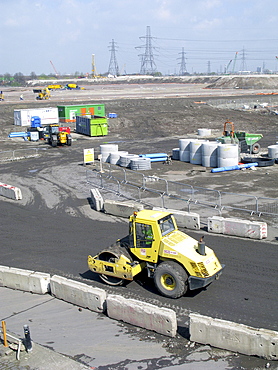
column 176, row 261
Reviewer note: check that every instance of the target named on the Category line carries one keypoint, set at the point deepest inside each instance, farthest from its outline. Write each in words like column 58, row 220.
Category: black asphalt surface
column 49, row 240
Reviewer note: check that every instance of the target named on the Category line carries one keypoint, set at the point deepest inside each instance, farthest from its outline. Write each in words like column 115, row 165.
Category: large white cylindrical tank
column 204, row 131
column 196, row 151
column 209, row 154
column 227, row 162
column 273, row 151
column 227, row 151
column 227, row 155
column 106, row 149
column 184, row 145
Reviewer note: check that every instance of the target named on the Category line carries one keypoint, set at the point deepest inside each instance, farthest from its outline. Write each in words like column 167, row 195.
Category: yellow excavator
column 176, row 261
column 43, row 94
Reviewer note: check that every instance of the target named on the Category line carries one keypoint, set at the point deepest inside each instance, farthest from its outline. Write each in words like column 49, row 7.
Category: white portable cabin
column 22, row 117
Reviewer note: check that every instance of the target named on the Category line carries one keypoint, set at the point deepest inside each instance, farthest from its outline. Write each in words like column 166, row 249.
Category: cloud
column 209, row 4
column 163, row 11
column 206, row 25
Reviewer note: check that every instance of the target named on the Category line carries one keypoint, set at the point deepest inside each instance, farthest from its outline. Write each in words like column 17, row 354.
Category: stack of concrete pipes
column 206, row 153
column 110, row 153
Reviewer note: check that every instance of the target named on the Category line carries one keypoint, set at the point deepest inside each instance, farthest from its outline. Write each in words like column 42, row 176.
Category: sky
column 211, row 35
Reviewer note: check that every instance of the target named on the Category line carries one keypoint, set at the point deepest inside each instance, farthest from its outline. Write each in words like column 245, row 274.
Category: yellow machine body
column 174, row 245
column 62, row 137
column 43, row 94
column 154, row 242
column 121, row 268
column 54, row 87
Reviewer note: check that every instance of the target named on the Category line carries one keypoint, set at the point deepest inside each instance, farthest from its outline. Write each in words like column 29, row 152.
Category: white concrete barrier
column 10, row 191
column 77, row 293
column 97, row 199
column 3, row 270
column 184, row 219
column 145, row 315
column 121, row 209
column 39, row 282
column 26, row 280
column 234, row 337
column 237, row 227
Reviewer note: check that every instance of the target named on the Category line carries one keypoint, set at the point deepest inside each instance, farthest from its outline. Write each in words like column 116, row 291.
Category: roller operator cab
column 174, row 260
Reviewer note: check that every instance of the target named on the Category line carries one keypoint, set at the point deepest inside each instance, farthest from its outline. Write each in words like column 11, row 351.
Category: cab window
column 144, row 236
column 166, row 225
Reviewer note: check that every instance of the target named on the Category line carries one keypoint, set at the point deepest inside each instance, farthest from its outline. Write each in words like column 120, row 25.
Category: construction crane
column 234, row 64
column 227, row 67
column 56, row 73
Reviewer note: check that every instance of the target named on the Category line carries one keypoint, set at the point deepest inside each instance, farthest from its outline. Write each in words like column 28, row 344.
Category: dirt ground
column 152, row 118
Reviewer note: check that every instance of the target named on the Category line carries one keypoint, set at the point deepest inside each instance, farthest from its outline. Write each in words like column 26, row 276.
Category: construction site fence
column 159, row 192
column 17, row 154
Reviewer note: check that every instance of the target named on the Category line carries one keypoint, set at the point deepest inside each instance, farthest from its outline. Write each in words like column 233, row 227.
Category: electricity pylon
column 113, row 65
column 148, row 65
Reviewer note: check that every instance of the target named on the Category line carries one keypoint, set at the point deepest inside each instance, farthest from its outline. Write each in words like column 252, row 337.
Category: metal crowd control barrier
column 269, row 206
column 14, row 155
column 115, row 178
column 239, row 202
column 169, row 193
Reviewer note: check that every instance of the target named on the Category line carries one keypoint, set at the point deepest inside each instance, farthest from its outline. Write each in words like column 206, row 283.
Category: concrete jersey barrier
column 234, row 337
column 183, row 219
column 97, row 199
column 77, row 293
column 25, row 280
column 10, row 191
column 121, row 209
column 237, row 227
column 145, row 315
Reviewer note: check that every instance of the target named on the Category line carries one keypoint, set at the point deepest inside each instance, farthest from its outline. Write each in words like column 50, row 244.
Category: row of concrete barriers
column 205, row 330
column 188, row 220
column 145, row 315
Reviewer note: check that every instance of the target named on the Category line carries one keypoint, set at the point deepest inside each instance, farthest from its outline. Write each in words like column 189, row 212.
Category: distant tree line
column 19, row 79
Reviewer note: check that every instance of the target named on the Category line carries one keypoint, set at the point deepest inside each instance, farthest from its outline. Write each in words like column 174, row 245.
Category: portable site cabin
column 23, row 117
column 67, row 113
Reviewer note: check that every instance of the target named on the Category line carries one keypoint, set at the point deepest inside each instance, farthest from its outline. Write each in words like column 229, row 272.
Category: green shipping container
column 94, row 126
column 67, row 113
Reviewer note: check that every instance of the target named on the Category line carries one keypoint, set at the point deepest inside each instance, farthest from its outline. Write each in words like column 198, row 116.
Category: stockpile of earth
column 265, row 82
column 244, row 81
